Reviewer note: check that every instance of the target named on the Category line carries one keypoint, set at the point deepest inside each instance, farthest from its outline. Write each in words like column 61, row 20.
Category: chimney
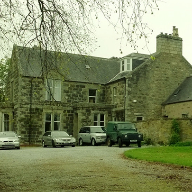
column 171, row 43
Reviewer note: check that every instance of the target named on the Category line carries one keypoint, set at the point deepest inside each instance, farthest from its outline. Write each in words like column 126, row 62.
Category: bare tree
column 68, row 25
column 4, row 67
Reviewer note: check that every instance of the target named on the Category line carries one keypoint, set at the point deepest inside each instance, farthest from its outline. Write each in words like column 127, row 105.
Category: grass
column 177, row 155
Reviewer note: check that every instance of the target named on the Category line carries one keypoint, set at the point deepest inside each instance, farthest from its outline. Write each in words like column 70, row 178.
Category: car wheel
column 80, row 142
column 17, row 147
column 43, row 144
column 109, row 142
column 93, row 142
column 119, row 142
column 127, row 144
column 53, row 143
column 73, row 145
column 139, row 143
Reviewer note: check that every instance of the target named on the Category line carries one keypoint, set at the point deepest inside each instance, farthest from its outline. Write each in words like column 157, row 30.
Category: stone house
column 50, row 90
column 179, row 103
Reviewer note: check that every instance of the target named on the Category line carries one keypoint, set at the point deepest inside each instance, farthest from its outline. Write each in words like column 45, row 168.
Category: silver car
column 57, row 138
column 9, row 139
column 92, row 134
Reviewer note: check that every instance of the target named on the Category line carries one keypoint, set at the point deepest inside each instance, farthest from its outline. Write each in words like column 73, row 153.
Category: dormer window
column 129, row 66
column 122, row 65
column 126, row 64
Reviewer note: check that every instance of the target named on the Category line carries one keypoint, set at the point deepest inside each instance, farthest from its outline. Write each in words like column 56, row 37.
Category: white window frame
column 126, row 64
column 92, row 98
column 98, row 120
column 129, row 64
column 52, row 121
column 53, row 90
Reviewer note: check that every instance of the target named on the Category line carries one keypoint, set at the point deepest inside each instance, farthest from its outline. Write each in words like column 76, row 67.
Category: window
column 129, row 66
column 6, row 122
column 122, row 65
column 184, row 115
column 99, row 120
column 139, row 118
column 52, row 121
column 126, row 64
column 53, row 90
column 114, row 94
column 82, row 130
column 92, row 95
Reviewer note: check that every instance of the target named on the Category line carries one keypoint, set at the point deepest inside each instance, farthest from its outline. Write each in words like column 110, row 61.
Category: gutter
column 125, row 96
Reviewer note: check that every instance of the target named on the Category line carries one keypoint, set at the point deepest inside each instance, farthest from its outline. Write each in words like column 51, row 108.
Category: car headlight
column 17, row 140
column 73, row 140
column 126, row 136
column 98, row 137
column 139, row 136
column 57, row 140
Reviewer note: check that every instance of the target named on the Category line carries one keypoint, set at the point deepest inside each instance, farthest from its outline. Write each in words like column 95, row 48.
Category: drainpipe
column 30, row 111
column 125, row 96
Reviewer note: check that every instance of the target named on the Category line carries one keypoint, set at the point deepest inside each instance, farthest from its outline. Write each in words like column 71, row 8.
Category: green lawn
column 165, row 154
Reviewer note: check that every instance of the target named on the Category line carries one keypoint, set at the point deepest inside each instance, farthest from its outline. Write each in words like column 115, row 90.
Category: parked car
column 57, row 138
column 92, row 134
column 122, row 133
column 9, row 139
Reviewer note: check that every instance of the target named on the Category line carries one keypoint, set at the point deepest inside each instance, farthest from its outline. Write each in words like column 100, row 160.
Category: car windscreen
column 126, row 126
column 7, row 134
column 98, row 130
column 59, row 134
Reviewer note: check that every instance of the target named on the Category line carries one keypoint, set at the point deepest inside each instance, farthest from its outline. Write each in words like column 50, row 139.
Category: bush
column 175, row 133
column 148, row 141
column 181, row 144
column 161, row 143
column 175, row 138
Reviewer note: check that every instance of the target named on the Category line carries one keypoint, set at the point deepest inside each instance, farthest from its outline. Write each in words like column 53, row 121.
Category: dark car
column 123, row 133
column 9, row 139
column 57, row 138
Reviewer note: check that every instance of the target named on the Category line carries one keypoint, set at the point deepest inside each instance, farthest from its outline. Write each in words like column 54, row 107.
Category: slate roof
column 137, row 56
column 73, row 67
column 182, row 93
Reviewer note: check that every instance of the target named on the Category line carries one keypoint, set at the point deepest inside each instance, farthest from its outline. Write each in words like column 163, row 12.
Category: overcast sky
column 171, row 13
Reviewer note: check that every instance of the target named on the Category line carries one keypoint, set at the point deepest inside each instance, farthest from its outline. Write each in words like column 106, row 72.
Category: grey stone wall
column 152, row 83
column 169, row 44
column 178, row 110
column 159, row 130
column 12, row 86
column 30, row 108
column 119, row 101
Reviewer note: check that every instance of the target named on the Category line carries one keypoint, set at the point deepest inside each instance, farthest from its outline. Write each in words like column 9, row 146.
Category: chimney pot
column 175, row 32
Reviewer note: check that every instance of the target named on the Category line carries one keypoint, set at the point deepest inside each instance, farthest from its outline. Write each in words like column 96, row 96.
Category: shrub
column 161, row 143
column 180, row 144
column 175, row 138
column 148, row 141
column 175, row 133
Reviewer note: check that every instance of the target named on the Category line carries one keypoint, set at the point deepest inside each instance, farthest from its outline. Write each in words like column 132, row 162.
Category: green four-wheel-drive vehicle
column 122, row 133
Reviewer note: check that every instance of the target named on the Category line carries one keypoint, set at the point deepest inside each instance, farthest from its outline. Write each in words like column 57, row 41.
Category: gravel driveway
column 86, row 168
